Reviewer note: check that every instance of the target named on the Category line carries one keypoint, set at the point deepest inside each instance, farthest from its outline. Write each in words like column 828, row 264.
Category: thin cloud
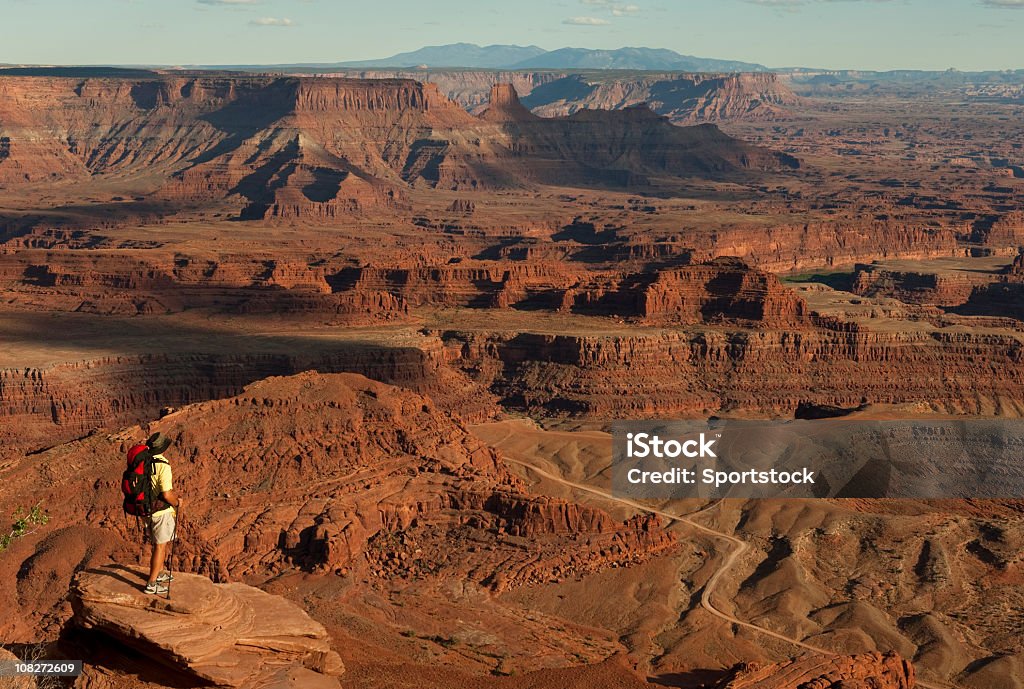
column 793, row 4
column 617, row 9
column 586, row 21
column 228, row 2
column 1004, row 4
column 625, row 10
column 272, row 21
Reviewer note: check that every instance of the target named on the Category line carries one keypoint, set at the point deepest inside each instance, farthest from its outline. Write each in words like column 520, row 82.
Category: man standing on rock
column 162, row 522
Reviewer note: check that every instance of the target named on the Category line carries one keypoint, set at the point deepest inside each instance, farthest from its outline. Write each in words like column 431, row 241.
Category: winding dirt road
column 737, row 550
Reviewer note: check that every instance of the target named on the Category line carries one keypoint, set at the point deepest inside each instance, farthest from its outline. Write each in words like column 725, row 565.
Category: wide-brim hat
column 158, row 442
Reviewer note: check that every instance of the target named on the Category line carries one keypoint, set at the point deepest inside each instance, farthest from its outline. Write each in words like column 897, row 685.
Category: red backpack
column 137, row 483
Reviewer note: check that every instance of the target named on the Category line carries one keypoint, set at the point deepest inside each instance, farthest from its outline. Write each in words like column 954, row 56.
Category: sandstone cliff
column 721, row 290
column 683, row 98
column 316, row 148
column 762, row 372
column 636, row 142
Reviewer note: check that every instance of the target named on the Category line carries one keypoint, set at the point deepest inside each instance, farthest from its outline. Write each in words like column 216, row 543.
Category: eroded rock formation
column 334, row 475
column 639, row 142
column 765, row 371
column 229, row 635
column 720, row 290
column 312, row 149
column 43, row 406
column 408, row 468
column 683, row 98
column 874, row 670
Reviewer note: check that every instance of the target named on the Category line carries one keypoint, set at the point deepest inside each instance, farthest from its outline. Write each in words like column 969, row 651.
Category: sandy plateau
column 389, row 323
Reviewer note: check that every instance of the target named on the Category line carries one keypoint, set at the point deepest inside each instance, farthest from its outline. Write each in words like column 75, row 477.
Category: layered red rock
column 722, row 290
column 448, row 481
column 43, row 406
column 228, row 635
column 504, row 105
column 683, row 98
column 311, row 148
column 787, row 247
column 1001, row 230
column 153, row 282
column 330, row 474
column 875, row 670
column 916, row 287
column 764, row 371
column 638, row 142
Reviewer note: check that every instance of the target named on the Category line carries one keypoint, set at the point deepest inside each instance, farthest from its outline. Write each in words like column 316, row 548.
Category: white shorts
column 161, row 526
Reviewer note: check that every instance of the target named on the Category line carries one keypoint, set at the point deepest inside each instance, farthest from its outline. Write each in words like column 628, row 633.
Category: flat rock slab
column 16, row 681
column 229, row 634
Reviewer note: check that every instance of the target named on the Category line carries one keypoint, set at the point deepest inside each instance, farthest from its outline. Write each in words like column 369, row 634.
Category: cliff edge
column 230, row 635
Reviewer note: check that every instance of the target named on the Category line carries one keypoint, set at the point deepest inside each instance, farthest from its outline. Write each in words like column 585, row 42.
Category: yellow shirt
column 162, row 481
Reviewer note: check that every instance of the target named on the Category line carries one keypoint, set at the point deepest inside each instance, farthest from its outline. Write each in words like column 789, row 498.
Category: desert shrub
column 24, row 521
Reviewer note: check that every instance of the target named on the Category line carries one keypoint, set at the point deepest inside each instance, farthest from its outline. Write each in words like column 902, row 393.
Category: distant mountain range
column 467, row 55
column 531, row 57
column 634, row 58
column 472, row 56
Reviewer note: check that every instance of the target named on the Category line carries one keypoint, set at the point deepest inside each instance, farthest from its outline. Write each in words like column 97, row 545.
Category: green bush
column 23, row 522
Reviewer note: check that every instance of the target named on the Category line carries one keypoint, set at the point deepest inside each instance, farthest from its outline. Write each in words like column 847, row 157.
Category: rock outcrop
column 127, row 283
column 768, row 371
column 336, row 475
column 683, row 98
column 637, row 143
column 504, row 105
column 229, row 635
column 40, row 407
column 1001, row 230
column 354, row 464
column 786, row 247
column 992, row 293
column 722, row 290
column 864, row 671
column 312, row 149
column 17, row 681
column 916, row 287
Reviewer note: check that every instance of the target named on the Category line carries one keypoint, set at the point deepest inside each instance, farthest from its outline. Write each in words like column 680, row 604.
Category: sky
column 831, row 34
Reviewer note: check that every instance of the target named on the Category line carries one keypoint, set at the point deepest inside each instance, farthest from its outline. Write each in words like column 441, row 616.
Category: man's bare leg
column 156, row 563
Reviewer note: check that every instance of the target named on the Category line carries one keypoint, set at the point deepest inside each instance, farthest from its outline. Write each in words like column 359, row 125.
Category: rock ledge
column 228, row 634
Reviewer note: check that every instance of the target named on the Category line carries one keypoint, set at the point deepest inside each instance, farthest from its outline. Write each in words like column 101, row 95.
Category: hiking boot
column 164, row 577
column 156, row 589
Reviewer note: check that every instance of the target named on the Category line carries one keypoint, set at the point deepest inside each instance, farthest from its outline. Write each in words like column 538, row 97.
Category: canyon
column 389, row 316
column 683, row 98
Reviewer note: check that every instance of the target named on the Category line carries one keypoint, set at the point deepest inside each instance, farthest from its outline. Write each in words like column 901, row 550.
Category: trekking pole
column 143, row 537
column 170, row 556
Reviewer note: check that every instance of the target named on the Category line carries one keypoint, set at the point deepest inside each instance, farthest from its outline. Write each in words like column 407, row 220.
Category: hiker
column 162, row 522
column 149, row 494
